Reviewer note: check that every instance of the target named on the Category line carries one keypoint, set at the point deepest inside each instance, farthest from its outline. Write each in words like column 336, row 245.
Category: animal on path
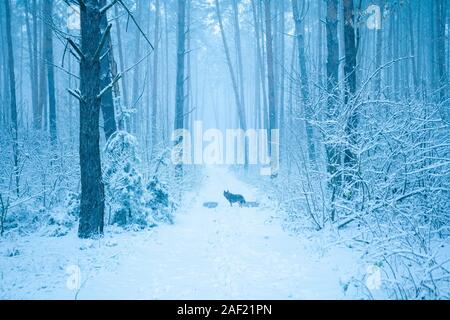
column 232, row 198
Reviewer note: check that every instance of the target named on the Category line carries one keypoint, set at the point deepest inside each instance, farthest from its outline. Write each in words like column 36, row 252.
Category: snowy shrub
column 72, row 203
column 60, row 222
column 124, row 185
column 158, row 201
column 394, row 196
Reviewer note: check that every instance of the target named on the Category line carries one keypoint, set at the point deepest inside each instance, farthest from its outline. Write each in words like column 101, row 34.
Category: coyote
column 232, row 198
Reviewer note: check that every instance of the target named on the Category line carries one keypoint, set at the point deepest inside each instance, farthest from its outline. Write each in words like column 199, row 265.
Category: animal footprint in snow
column 210, row 205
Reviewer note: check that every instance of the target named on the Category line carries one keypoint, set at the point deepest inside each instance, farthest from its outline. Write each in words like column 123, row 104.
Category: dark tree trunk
column 155, row 79
column 414, row 57
column 37, row 114
column 379, row 51
column 92, row 190
column 441, row 12
column 179, row 96
column 304, row 79
column 273, row 124
column 33, row 62
column 41, row 121
column 124, row 97
column 12, row 89
column 48, row 54
column 332, row 150
column 350, row 85
column 5, row 75
column 109, row 119
column 240, row 68
column 136, row 95
column 260, row 81
column 240, row 73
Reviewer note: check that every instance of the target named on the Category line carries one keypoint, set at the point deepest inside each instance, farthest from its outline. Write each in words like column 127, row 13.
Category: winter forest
column 224, row 149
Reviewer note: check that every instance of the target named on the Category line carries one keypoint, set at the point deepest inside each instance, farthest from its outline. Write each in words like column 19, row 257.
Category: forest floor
column 221, row 253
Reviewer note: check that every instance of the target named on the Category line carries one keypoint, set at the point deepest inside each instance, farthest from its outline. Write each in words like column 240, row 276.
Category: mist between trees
column 355, row 92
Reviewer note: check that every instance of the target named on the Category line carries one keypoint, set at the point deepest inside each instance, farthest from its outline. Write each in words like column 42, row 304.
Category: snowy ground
column 221, row 253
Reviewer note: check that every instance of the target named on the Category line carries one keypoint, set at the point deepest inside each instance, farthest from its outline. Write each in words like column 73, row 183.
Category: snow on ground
column 222, row 253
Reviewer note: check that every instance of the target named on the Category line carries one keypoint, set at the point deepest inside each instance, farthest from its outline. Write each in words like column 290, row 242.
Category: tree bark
column 33, row 62
column 240, row 73
column 155, row 79
column 48, row 54
column 179, row 96
column 273, row 123
column 379, row 51
column 92, row 189
column 441, row 12
column 41, row 121
column 135, row 119
column 350, row 85
column 124, row 98
column 332, row 66
column 107, row 103
column 12, row 89
column 304, row 79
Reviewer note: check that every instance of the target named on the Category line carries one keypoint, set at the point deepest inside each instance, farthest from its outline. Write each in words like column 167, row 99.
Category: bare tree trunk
column 240, row 73
column 135, row 95
column 350, row 85
column 333, row 154
column 92, row 189
column 263, row 66
column 304, row 79
column 48, row 54
column 260, row 62
column 188, row 84
column 12, row 89
column 155, row 78
column 396, row 31
column 258, row 70
column 379, row 51
column 441, row 12
column 237, row 37
column 179, row 97
column 273, row 123
column 42, row 97
column 33, row 62
column 281, row 105
column 124, row 97
column 36, row 115
column 320, row 44
column 240, row 108
column 3, row 76
column 166, row 111
column 413, row 51
column 107, row 103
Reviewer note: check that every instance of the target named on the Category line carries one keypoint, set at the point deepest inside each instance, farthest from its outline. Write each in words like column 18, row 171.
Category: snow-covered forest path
column 225, row 252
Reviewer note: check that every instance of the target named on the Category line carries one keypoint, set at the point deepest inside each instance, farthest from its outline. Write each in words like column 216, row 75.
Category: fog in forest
column 224, row 149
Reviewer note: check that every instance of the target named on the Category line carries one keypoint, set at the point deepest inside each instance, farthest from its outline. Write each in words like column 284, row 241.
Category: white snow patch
column 221, row 253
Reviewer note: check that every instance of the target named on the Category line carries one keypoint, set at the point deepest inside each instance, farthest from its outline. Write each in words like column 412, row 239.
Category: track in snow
column 221, row 253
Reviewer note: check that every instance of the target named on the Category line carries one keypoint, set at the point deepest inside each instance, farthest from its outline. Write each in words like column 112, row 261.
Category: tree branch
column 135, row 22
column 108, row 6
column 76, row 48
column 102, row 42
